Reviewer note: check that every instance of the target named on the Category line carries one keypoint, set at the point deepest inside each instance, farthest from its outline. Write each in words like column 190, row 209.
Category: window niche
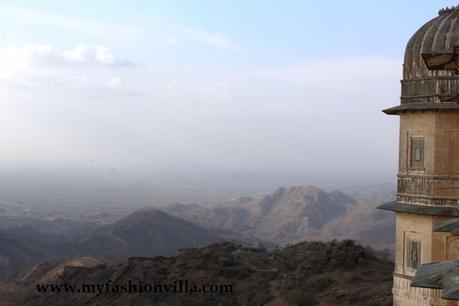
column 417, row 153
column 413, row 254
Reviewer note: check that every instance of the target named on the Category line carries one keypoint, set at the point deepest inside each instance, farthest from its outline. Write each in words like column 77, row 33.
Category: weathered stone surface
column 428, row 179
column 430, row 65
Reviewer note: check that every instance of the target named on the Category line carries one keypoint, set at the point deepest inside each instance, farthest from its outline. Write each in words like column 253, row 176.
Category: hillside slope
column 310, row 273
column 296, row 214
column 20, row 248
column 147, row 232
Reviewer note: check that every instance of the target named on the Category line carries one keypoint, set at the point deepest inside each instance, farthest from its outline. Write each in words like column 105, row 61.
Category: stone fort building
column 427, row 204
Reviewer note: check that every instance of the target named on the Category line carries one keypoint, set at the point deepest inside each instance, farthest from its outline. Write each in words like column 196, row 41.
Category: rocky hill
column 309, row 273
column 298, row 214
column 45, row 272
column 147, row 232
column 17, row 251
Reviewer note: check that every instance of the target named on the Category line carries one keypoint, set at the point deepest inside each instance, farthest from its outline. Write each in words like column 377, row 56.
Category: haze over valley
column 35, row 233
column 234, row 142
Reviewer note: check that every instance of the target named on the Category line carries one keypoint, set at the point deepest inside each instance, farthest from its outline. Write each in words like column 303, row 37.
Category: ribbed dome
column 431, row 65
column 437, row 35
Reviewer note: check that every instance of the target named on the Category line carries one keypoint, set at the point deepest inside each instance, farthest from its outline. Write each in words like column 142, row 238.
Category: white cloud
column 41, row 71
column 94, row 55
column 46, row 55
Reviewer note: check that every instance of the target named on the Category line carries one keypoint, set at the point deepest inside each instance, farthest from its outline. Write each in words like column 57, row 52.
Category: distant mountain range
column 299, row 213
column 287, row 215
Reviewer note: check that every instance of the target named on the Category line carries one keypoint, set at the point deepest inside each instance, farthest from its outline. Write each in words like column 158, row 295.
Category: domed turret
column 431, row 65
column 427, row 202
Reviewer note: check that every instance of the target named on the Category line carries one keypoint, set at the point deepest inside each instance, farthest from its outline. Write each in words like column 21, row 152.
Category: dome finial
column 448, row 9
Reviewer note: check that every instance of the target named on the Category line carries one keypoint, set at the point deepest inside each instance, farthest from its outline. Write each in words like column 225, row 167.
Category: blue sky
column 260, row 86
column 253, row 33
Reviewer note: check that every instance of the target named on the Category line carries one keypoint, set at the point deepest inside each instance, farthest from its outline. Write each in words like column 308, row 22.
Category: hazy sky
column 239, row 86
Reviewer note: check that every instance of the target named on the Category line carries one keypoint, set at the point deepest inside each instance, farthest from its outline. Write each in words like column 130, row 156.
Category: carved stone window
column 413, row 254
column 417, row 153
